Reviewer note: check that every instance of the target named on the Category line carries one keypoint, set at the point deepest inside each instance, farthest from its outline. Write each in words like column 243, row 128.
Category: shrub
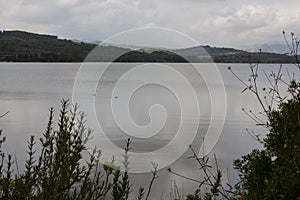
column 58, row 171
column 274, row 171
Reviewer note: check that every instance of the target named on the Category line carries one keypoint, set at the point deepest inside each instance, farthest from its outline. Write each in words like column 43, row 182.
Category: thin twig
column 250, row 116
column 154, row 176
column 182, row 176
column 205, row 170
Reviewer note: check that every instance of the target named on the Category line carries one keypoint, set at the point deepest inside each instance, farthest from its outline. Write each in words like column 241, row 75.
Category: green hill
column 20, row 46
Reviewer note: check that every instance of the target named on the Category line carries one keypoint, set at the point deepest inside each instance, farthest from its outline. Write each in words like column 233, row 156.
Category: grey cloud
column 208, row 21
column 247, row 17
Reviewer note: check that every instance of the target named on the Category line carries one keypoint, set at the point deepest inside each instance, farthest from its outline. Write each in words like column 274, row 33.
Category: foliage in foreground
column 274, row 171
column 59, row 172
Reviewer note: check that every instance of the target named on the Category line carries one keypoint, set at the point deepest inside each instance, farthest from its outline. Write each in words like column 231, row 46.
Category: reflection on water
column 29, row 90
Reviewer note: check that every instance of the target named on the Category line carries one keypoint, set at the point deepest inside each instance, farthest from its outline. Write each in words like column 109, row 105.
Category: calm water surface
column 28, row 90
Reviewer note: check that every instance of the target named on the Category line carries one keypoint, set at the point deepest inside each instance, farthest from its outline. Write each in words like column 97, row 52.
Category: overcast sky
column 231, row 23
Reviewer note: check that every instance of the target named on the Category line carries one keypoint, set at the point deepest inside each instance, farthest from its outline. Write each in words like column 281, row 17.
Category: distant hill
column 230, row 55
column 20, row 46
column 272, row 48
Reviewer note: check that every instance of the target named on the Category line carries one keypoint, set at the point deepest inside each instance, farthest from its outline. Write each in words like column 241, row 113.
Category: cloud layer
column 214, row 22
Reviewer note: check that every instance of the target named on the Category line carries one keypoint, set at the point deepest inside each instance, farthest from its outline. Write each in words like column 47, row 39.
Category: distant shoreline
column 20, row 46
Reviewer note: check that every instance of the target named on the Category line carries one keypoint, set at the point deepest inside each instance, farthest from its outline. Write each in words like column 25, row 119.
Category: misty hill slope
column 273, row 48
column 20, row 46
column 231, row 55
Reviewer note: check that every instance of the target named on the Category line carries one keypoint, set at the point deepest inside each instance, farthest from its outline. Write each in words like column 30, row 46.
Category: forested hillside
column 20, row 46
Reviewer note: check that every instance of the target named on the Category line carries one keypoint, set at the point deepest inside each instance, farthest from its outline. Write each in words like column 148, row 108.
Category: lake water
column 149, row 106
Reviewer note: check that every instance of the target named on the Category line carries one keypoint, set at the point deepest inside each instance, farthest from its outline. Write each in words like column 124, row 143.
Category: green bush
column 58, row 170
column 274, row 172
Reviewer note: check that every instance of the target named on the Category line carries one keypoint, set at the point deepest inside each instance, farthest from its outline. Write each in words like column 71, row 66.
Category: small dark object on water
column 4, row 114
